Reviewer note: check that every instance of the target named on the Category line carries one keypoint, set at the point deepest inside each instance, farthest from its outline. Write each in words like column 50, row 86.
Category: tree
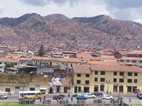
column 41, row 51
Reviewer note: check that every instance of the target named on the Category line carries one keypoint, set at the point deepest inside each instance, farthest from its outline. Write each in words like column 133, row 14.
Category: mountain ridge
column 58, row 31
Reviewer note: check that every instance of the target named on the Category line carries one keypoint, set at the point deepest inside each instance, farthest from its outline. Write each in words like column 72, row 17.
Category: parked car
column 103, row 95
column 2, row 97
column 89, row 95
column 139, row 95
column 81, row 97
column 107, row 97
column 84, row 96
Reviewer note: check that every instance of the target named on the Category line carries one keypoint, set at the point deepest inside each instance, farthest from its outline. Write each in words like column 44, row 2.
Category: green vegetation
column 41, row 51
column 16, row 104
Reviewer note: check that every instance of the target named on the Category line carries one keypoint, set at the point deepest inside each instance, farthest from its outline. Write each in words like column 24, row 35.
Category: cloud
column 124, row 9
column 45, row 2
column 34, row 2
column 124, row 4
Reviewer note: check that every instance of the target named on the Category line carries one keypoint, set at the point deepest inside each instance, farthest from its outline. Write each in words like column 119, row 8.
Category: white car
column 107, row 97
column 103, row 95
column 89, row 95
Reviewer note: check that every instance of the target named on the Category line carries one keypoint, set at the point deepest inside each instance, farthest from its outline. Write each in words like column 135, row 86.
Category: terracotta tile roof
column 69, row 60
column 105, row 66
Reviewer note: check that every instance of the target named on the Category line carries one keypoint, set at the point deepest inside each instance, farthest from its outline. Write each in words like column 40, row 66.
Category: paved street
column 68, row 100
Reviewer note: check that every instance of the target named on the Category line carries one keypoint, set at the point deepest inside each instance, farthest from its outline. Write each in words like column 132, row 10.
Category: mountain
column 58, row 31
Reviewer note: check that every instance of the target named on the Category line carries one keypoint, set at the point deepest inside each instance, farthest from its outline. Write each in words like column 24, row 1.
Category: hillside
column 58, row 31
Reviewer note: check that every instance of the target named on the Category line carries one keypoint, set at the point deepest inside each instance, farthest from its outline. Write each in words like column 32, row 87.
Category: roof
column 110, row 66
column 135, row 52
column 69, row 60
column 84, row 68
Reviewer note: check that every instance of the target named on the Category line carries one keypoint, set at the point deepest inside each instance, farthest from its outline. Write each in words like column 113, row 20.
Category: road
column 68, row 100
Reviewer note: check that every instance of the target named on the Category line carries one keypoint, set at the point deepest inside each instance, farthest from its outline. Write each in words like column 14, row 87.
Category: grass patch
column 16, row 104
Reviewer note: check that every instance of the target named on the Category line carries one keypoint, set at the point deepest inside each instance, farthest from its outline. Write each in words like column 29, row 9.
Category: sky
column 121, row 9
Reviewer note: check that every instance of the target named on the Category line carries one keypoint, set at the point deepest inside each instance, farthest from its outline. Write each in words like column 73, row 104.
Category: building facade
column 108, row 78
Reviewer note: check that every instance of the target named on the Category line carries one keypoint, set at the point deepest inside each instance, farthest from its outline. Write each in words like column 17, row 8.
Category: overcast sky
column 121, row 9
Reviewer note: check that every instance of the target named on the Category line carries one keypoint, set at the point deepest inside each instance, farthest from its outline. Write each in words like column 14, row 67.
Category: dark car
column 2, row 97
column 139, row 95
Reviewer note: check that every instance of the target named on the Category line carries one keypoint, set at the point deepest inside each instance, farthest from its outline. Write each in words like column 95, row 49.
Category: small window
column 121, row 80
column 129, row 73
column 78, row 75
column 32, row 89
column 136, row 74
column 140, row 61
column 102, row 79
column 129, row 80
column 135, row 80
column 96, row 72
column 87, row 75
column 79, row 89
column 115, row 73
column 128, row 61
column 129, row 89
column 78, row 81
column 87, row 82
column 7, row 90
column 17, row 87
column 102, row 72
column 102, row 87
column 96, row 79
column 114, row 80
column 121, row 73
column 134, row 61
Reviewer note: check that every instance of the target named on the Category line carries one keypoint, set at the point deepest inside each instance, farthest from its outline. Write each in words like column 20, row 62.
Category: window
column 96, row 72
column 96, row 79
column 140, row 61
column 78, row 75
column 134, row 89
column 75, row 89
column 121, row 73
column 79, row 89
column 87, row 75
column 114, row 80
column 135, row 80
column 58, row 89
column 87, row 82
column 128, row 61
column 32, row 89
column 102, row 87
column 66, row 89
column 102, row 73
column 7, row 90
column 115, row 73
column 102, row 80
column 86, row 89
column 129, row 80
column 121, row 60
column 135, row 74
column 114, row 88
column 50, row 90
column 96, row 89
column 120, row 88
column 129, row 73
column 121, row 80
column 78, row 81
column 17, row 87
column 134, row 61
column 129, row 89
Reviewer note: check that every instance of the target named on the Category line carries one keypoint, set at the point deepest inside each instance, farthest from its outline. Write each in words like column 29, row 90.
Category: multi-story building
column 132, row 58
column 111, row 77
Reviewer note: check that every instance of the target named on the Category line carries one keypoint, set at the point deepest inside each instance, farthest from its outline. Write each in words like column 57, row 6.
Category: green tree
column 41, row 51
